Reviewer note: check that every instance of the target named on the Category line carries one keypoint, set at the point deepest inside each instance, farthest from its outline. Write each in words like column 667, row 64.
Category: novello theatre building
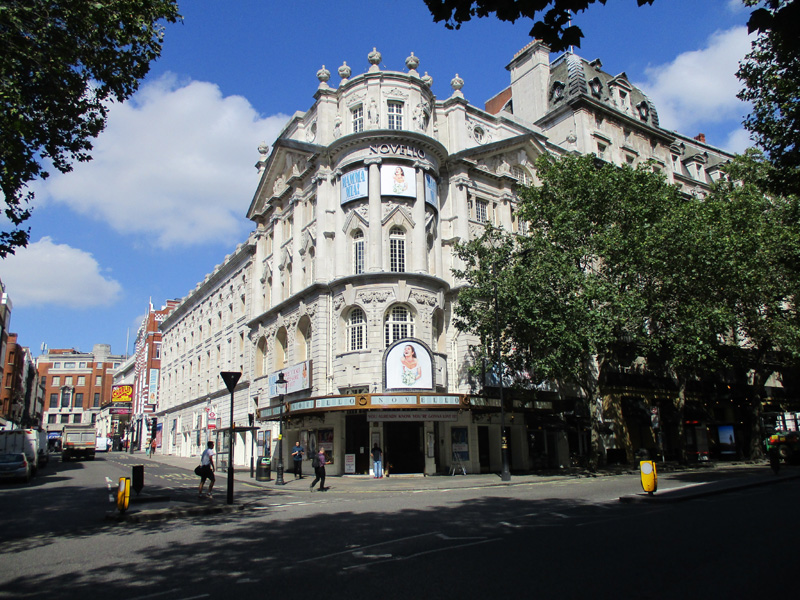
column 346, row 285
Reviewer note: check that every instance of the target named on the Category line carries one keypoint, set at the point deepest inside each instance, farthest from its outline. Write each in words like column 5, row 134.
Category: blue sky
column 164, row 200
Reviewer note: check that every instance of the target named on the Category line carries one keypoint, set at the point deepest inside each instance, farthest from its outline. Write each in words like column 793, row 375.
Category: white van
column 101, row 444
column 15, row 441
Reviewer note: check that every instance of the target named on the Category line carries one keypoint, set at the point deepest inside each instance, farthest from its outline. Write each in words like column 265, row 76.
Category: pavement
column 709, row 479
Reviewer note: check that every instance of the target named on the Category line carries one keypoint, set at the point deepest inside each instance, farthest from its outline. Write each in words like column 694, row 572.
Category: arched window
column 303, row 341
column 397, row 250
column 262, row 368
column 281, row 358
column 356, row 329
column 358, row 251
column 398, row 324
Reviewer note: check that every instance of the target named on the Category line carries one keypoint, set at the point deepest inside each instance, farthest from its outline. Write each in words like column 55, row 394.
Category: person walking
column 207, row 470
column 152, row 448
column 377, row 462
column 318, row 462
column 297, row 457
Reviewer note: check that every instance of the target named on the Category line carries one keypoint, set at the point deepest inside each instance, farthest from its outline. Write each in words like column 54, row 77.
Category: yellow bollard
column 649, row 476
column 124, row 494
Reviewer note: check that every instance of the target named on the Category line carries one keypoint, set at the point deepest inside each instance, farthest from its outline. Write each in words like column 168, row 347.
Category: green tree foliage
column 554, row 28
column 771, row 75
column 617, row 264
column 62, row 63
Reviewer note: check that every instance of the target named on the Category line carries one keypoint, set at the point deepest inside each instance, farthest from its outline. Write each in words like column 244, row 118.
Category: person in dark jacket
column 318, row 462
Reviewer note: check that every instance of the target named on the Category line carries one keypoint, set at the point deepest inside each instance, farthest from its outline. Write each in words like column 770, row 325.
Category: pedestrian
column 152, row 448
column 207, row 470
column 147, row 450
column 318, row 462
column 297, row 457
column 377, row 456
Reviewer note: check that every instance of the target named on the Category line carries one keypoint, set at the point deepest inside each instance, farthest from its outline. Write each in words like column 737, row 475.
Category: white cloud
column 46, row 273
column 739, row 141
column 700, row 87
column 175, row 163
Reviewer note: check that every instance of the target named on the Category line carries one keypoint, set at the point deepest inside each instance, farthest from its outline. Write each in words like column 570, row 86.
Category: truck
column 77, row 441
column 25, row 441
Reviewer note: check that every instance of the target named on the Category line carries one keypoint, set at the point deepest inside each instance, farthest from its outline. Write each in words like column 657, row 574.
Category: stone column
column 374, row 250
column 419, row 247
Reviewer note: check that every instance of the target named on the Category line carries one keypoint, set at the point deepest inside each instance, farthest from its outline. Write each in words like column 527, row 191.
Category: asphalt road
column 569, row 538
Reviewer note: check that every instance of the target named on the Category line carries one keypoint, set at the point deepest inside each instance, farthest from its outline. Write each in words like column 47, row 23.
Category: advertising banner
column 122, row 393
column 354, row 185
column 397, row 180
column 431, row 191
column 298, row 377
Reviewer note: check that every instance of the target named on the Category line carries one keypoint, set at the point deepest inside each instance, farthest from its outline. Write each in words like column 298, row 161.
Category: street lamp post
column 280, row 383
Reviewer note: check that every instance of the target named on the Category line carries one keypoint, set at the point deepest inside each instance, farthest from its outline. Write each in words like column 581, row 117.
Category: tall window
column 96, row 401
column 79, row 400
column 358, row 252
column 54, row 400
column 358, row 119
column 356, row 326
column 398, row 325
column 66, row 396
column 397, row 250
column 395, row 112
column 481, row 211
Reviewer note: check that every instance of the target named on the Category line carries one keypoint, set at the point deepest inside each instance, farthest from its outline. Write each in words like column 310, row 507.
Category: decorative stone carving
column 323, row 75
column 355, row 99
column 374, row 59
column 373, row 116
column 337, row 127
column 344, row 72
column 338, row 302
column 376, row 296
column 456, row 83
column 412, row 62
column 311, row 131
column 396, row 93
column 421, row 117
column 427, row 80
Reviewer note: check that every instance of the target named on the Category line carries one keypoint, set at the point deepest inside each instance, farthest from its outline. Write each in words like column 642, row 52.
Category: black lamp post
column 230, row 378
column 280, row 383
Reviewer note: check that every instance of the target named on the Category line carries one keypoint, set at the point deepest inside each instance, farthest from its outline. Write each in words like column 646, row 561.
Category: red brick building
column 76, row 384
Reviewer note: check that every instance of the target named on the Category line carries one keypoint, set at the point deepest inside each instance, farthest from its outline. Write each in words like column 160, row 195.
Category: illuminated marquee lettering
column 397, row 149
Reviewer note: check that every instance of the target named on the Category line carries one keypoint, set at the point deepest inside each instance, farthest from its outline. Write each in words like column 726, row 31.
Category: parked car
column 15, row 466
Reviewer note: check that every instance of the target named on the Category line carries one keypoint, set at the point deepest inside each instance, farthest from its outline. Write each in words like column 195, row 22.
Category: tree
column 575, row 292
column 63, row 63
column 555, row 27
column 771, row 75
column 762, row 234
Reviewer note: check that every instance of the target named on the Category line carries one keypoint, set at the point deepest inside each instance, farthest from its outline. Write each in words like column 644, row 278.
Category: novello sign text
column 396, row 149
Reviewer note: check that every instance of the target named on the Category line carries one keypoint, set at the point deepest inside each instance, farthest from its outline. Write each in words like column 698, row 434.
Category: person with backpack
column 318, row 462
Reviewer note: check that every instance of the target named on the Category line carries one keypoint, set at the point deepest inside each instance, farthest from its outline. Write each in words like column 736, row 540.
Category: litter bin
column 263, row 469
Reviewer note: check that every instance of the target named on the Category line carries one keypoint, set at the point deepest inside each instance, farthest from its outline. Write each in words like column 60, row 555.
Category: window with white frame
column 356, row 328
column 394, row 111
column 358, row 252
column 398, row 325
column 397, row 250
column 519, row 173
column 358, row 119
column 481, row 211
